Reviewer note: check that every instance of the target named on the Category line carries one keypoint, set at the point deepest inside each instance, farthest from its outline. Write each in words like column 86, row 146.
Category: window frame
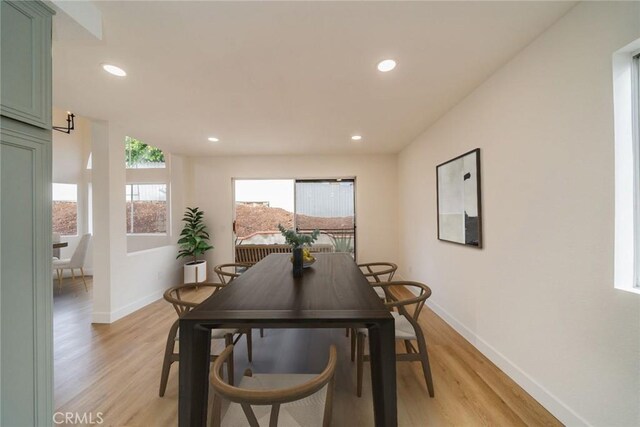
column 635, row 124
column 167, row 209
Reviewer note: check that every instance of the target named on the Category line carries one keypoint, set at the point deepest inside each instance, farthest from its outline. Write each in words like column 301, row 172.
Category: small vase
column 298, row 262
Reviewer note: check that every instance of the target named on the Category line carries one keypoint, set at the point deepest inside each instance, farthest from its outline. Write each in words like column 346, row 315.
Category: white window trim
column 635, row 124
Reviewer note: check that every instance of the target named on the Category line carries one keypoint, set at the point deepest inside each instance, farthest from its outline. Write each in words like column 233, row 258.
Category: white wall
column 539, row 299
column 376, row 185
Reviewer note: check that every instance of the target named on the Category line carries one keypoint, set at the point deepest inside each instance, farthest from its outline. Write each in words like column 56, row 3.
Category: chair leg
column 360, row 363
column 228, row 340
column 168, row 357
column 353, row 345
column 60, row 271
column 424, row 360
column 249, row 334
column 261, row 333
column 83, row 280
column 346, row 334
column 164, row 376
column 73, row 274
column 214, row 412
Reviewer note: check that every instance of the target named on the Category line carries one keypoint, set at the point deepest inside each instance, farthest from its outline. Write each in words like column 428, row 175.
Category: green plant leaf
column 194, row 236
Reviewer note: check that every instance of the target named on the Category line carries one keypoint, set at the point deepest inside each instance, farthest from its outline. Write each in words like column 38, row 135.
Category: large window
column 306, row 205
column 142, row 156
column 65, row 209
column 146, row 208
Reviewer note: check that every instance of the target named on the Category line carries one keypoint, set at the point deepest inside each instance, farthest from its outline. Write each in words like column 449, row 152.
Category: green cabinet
column 26, row 290
column 26, row 62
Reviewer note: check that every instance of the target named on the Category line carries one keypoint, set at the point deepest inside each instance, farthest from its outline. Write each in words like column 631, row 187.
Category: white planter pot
column 195, row 270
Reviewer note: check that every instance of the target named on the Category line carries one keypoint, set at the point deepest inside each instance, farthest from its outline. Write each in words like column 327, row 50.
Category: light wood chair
column 407, row 330
column 227, row 273
column 253, row 254
column 75, row 262
column 375, row 272
column 175, row 296
column 312, row 394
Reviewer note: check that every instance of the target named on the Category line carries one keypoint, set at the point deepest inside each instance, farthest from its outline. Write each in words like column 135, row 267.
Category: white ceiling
column 293, row 77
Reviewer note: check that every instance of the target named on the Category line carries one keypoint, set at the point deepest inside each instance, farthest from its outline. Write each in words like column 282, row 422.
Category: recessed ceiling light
column 386, row 65
column 213, row 139
column 356, row 137
column 112, row 69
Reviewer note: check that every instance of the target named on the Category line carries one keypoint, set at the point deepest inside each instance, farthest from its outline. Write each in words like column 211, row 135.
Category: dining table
column 332, row 293
column 58, row 245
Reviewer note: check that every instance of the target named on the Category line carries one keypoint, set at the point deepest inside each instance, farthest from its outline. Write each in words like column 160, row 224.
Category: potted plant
column 194, row 241
column 297, row 241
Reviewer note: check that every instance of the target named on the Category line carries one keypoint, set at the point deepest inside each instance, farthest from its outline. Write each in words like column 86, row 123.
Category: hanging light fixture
column 70, row 124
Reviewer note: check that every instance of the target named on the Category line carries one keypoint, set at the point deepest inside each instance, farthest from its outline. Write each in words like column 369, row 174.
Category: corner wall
column 376, row 184
column 124, row 282
column 539, row 299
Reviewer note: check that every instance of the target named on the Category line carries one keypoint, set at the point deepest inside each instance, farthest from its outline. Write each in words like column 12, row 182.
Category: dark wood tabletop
column 333, row 293
column 58, row 245
column 333, row 289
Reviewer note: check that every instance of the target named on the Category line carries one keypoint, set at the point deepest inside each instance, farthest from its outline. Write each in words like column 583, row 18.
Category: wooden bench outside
column 254, row 253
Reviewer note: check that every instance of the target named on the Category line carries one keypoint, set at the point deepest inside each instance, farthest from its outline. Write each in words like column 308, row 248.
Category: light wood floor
column 115, row 369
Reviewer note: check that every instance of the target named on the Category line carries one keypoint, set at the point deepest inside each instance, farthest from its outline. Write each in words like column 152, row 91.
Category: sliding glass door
column 260, row 205
column 326, row 204
column 329, row 206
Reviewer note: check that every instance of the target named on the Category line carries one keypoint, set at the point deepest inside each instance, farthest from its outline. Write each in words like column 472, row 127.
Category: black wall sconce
column 70, row 124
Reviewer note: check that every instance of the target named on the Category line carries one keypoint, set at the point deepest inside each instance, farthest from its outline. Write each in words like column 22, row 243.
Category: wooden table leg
column 382, row 352
column 194, row 350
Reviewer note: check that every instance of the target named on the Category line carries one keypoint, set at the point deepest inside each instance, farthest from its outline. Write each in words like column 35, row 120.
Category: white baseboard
column 554, row 405
column 105, row 317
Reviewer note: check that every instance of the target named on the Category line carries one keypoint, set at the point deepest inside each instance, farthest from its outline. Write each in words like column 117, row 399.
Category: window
column 306, row 205
column 260, row 205
column 146, row 208
column 329, row 206
column 65, row 209
column 142, row 156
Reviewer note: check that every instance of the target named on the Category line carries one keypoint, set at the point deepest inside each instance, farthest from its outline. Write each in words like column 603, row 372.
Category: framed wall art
column 459, row 200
